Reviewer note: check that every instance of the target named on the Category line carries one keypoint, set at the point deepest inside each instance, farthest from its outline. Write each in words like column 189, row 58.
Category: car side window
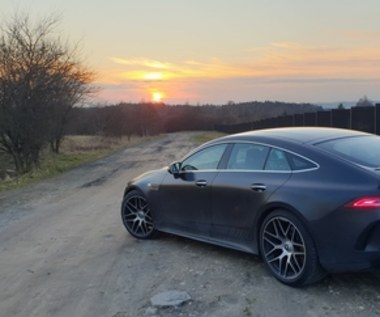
column 299, row 163
column 277, row 161
column 247, row 156
column 206, row 159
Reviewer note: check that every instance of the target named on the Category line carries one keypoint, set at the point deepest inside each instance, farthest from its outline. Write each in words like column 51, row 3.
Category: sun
column 157, row 96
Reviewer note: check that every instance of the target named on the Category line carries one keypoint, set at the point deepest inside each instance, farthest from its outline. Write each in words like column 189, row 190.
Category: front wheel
column 136, row 215
column 288, row 250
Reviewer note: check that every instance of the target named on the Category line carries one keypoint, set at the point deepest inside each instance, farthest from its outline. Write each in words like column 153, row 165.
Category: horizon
column 326, row 105
column 212, row 52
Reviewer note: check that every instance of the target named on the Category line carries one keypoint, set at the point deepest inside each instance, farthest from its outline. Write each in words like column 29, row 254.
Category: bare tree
column 40, row 82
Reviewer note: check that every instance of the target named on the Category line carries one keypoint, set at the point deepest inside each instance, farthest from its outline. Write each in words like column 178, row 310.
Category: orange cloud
column 278, row 60
column 255, row 72
column 284, row 59
column 141, row 62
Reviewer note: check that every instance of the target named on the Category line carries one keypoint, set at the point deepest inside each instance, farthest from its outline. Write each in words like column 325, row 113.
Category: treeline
column 151, row 118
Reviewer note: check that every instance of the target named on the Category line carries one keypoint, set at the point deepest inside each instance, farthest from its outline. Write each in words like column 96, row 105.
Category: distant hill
column 346, row 104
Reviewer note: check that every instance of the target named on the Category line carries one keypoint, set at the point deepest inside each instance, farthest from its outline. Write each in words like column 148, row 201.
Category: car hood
column 156, row 175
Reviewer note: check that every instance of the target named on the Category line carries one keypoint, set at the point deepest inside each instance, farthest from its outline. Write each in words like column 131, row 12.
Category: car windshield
column 364, row 150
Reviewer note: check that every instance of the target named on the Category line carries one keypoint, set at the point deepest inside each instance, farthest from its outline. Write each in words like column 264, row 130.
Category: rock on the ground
column 170, row 298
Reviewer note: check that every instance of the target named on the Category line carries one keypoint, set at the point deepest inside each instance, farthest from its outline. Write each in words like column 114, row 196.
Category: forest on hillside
column 152, row 118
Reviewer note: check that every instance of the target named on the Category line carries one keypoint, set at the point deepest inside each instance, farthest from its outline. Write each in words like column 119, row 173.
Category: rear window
column 277, row 161
column 364, row 150
column 299, row 164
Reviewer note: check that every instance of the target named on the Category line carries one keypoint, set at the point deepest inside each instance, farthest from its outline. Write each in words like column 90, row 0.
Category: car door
column 252, row 174
column 185, row 197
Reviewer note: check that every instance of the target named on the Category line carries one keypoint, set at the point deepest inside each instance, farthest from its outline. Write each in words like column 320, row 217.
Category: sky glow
column 214, row 51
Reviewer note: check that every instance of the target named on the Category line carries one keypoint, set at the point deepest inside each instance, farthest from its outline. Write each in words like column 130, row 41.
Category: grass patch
column 75, row 151
column 207, row 136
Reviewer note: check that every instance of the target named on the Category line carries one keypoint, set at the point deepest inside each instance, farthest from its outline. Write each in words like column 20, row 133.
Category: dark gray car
column 306, row 199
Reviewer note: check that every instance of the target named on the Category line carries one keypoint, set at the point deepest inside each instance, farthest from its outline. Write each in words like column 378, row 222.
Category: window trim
column 230, row 144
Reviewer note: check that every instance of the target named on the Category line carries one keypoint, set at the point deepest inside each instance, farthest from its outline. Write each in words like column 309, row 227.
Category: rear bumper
column 352, row 243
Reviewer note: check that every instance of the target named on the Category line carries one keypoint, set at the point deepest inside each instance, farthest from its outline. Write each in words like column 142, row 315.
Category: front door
column 185, row 198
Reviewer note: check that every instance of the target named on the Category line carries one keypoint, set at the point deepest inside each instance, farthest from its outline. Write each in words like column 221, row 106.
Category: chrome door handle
column 258, row 187
column 201, row 183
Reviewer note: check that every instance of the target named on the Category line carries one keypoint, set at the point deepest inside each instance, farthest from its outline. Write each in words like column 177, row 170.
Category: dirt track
column 64, row 252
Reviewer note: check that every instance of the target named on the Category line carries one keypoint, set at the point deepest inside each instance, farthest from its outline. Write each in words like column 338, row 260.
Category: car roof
column 295, row 134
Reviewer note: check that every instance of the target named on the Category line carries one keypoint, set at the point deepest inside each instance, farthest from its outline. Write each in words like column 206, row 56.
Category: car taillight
column 365, row 202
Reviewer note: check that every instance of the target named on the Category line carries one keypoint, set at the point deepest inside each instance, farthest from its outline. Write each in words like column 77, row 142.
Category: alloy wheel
column 283, row 248
column 137, row 217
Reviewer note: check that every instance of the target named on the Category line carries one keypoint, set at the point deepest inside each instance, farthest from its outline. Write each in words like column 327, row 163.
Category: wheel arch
column 142, row 188
column 266, row 210
column 130, row 188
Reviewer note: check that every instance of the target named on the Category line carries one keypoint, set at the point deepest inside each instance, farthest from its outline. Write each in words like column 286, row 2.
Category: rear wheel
column 136, row 215
column 288, row 249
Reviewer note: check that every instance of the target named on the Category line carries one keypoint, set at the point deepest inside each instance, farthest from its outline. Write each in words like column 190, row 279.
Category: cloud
column 271, row 70
column 141, row 62
column 279, row 59
column 284, row 59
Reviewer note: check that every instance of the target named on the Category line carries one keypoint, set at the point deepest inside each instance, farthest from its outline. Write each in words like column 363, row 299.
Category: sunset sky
column 214, row 51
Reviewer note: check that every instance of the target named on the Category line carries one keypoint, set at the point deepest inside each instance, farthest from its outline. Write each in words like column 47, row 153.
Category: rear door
column 252, row 174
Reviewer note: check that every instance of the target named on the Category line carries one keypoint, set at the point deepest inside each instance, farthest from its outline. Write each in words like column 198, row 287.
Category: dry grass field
column 95, row 143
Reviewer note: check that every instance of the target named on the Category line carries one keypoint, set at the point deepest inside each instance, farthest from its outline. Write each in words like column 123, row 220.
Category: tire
column 288, row 250
column 137, row 217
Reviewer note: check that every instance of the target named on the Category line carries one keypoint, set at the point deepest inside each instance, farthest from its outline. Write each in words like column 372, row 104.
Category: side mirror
column 174, row 168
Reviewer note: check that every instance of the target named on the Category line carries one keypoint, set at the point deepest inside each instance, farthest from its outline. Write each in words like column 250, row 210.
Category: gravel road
column 64, row 252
